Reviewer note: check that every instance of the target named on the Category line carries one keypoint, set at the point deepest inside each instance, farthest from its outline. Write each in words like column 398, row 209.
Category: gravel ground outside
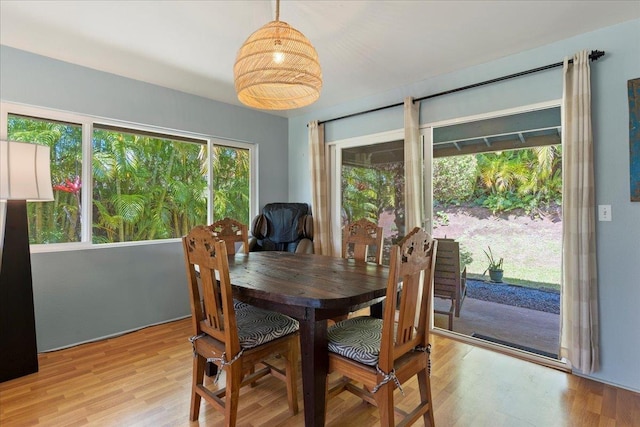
column 519, row 296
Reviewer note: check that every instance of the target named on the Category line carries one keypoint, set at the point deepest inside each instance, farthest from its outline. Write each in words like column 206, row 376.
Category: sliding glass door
column 493, row 184
column 497, row 186
column 368, row 182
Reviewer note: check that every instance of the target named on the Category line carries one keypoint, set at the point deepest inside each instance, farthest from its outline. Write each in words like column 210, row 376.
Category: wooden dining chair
column 232, row 232
column 358, row 237
column 234, row 338
column 450, row 278
column 382, row 354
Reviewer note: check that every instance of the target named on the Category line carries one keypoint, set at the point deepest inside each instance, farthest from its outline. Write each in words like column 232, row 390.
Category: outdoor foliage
column 494, row 263
column 360, row 193
column 454, row 179
column 526, row 179
column 231, row 184
column 146, row 188
column 57, row 221
column 466, row 256
column 366, row 192
column 143, row 187
column 370, row 192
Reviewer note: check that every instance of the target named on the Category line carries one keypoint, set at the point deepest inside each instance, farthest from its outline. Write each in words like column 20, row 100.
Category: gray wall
column 618, row 242
column 83, row 295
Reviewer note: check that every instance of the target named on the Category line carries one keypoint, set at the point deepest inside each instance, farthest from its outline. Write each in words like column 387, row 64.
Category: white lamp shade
column 25, row 172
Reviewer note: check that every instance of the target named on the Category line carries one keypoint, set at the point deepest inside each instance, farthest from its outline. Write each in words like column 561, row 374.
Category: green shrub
column 440, row 219
column 454, row 179
column 528, row 179
column 466, row 256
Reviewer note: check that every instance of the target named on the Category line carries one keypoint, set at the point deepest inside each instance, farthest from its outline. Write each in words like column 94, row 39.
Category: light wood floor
column 143, row 379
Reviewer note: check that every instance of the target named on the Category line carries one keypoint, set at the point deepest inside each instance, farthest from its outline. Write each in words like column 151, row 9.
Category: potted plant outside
column 495, row 267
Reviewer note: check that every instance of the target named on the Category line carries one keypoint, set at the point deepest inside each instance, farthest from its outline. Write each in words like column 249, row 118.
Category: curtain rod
column 593, row 56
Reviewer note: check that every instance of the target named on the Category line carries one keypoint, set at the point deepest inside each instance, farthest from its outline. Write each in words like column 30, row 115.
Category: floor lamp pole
column 19, row 354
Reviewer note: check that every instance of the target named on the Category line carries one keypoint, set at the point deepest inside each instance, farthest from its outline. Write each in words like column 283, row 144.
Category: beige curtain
column 412, row 165
column 579, row 318
column 322, row 240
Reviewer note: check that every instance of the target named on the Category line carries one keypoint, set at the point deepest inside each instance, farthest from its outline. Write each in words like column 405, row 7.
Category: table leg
column 315, row 364
column 211, row 369
column 376, row 310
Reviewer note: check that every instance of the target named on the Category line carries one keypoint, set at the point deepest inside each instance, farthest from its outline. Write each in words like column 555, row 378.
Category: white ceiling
column 365, row 46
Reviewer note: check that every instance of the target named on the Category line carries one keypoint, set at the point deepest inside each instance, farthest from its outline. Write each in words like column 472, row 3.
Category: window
column 492, row 180
column 497, row 190
column 367, row 181
column 231, row 183
column 146, row 186
column 57, row 222
column 372, row 187
column 114, row 183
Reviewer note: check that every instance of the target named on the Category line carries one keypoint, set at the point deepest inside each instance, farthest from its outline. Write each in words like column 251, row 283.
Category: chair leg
column 199, row 363
column 326, row 396
column 234, row 379
column 291, row 370
column 251, row 372
column 211, row 369
column 424, row 383
column 384, row 401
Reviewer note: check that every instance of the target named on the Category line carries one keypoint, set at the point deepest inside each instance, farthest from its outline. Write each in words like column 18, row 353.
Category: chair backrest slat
column 359, row 236
column 410, row 279
column 232, row 232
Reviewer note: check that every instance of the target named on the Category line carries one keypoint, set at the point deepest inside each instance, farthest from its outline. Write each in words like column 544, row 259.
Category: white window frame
column 253, row 173
column 87, row 123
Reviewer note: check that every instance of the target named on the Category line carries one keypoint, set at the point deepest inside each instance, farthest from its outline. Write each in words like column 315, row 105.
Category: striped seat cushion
column 257, row 326
column 357, row 338
column 237, row 305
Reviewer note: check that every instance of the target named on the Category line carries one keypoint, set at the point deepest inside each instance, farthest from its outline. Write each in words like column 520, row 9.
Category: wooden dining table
column 311, row 289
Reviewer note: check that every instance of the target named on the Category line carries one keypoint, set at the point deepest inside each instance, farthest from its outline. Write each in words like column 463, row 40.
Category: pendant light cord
column 277, row 10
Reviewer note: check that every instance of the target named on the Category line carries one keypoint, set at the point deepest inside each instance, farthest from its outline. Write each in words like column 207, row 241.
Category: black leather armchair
column 283, row 227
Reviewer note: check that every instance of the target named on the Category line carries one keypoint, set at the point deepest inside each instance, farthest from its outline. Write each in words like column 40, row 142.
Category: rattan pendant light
column 277, row 68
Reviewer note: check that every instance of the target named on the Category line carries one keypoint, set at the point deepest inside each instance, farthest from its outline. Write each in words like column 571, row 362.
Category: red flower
column 69, row 186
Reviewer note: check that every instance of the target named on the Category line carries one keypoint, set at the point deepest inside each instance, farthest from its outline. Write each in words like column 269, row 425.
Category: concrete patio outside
column 521, row 326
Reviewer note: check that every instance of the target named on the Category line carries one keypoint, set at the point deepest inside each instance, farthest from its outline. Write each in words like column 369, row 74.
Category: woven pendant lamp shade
column 277, row 68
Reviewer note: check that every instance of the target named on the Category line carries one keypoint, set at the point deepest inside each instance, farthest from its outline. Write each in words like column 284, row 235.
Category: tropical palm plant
column 58, row 221
column 143, row 187
column 526, row 178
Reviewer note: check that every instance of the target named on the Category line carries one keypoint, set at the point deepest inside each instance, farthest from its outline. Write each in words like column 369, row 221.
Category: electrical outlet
column 604, row 212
